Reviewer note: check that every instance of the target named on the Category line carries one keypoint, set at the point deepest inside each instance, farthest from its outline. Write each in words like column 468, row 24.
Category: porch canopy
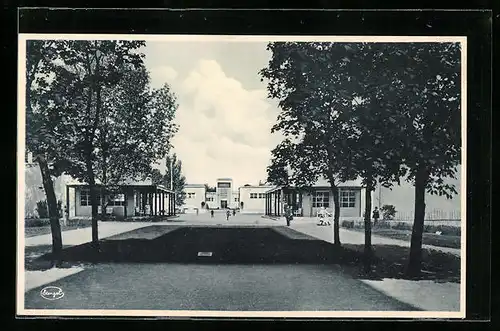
column 278, row 196
column 139, row 199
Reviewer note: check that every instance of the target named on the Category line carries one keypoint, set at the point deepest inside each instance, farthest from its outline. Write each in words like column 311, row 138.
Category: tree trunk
column 368, row 252
column 55, row 227
column 94, row 203
column 336, row 214
column 415, row 262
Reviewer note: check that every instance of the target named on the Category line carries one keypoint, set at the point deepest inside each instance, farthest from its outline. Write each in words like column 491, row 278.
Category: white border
column 194, row 313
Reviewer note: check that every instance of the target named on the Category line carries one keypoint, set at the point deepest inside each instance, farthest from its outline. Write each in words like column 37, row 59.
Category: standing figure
column 376, row 215
column 212, row 213
column 228, row 213
column 234, row 212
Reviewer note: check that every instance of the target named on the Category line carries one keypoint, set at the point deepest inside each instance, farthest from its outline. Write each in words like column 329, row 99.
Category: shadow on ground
column 227, row 245
column 247, row 245
column 391, row 261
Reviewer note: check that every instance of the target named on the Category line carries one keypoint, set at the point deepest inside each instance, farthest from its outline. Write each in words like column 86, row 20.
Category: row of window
column 207, row 199
column 322, row 199
column 257, row 195
column 113, row 200
column 319, row 199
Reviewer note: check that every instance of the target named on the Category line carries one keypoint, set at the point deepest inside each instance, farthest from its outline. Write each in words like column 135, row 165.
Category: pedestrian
column 234, row 212
column 212, row 213
column 375, row 215
column 228, row 213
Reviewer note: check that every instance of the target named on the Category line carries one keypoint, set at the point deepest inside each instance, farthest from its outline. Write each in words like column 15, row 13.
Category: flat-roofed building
column 253, row 198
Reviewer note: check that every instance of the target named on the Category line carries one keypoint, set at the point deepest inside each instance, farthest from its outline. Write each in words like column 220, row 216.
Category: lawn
column 31, row 231
column 433, row 239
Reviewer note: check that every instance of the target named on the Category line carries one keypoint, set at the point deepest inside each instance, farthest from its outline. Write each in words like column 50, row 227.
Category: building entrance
column 223, row 204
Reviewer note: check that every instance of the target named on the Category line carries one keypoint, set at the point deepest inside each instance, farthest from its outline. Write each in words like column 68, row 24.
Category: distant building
column 133, row 199
column 252, row 198
column 224, row 196
column 195, row 194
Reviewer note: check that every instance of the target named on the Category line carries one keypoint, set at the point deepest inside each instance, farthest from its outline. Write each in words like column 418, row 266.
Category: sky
column 224, row 115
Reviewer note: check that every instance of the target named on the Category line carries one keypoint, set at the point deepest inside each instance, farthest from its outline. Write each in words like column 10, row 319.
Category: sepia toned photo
column 260, row 176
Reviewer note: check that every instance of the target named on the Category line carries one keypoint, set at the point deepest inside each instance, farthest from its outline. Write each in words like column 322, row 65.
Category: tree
column 156, row 177
column 427, row 110
column 137, row 130
column 375, row 154
column 40, row 134
column 109, row 124
column 374, row 111
column 314, row 115
column 177, row 181
column 209, row 188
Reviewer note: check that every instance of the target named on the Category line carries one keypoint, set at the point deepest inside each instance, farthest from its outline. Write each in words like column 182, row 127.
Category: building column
column 156, row 202
column 172, row 204
column 150, row 195
column 169, row 204
column 162, row 203
column 275, row 196
column 67, row 203
column 265, row 208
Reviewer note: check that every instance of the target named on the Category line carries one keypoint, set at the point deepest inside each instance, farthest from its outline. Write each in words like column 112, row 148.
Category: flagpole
column 171, row 174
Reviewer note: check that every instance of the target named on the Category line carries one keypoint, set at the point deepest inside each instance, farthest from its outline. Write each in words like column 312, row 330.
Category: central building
column 224, row 187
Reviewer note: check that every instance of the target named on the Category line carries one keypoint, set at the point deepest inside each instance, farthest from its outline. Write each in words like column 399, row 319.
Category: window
column 116, row 200
column 321, row 199
column 253, row 196
column 85, row 197
column 210, row 199
column 347, row 199
column 191, row 195
column 223, row 185
column 235, row 199
column 262, row 195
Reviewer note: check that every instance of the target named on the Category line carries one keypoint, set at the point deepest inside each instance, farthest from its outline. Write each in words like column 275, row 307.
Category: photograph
column 241, row 175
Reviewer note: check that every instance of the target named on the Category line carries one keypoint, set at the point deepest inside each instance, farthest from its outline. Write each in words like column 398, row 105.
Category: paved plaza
column 256, row 264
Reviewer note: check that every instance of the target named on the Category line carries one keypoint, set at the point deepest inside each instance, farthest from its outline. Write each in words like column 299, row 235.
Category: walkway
column 307, row 225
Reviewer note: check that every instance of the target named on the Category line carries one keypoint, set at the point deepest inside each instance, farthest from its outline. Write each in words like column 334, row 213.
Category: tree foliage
column 176, row 182
column 106, row 124
column 374, row 111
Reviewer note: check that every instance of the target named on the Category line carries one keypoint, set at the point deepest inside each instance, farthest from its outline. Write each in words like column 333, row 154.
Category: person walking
column 234, row 212
column 228, row 213
column 375, row 215
column 212, row 213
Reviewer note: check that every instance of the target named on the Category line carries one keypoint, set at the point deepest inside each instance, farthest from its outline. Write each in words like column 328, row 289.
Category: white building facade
column 252, row 199
column 194, row 196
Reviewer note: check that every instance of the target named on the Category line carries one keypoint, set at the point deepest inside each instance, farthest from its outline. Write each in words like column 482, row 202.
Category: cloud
column 225, row 129
column 161, row 75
